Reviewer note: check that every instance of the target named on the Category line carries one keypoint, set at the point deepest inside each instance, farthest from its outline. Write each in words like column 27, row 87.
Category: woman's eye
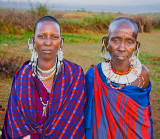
column 130, row 42
column 41, row 36
column 54, row 37
column 115, row 40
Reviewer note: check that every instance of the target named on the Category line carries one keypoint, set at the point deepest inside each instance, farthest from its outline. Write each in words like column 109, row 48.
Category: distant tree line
column 18, row 21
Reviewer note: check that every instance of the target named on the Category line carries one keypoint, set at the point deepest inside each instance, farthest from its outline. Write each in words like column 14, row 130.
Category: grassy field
column 84, row 49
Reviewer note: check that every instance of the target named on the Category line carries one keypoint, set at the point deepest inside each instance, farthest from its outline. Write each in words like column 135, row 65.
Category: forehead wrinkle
column 121, row 24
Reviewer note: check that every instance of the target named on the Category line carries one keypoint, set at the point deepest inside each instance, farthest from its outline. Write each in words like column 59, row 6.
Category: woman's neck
column 120, row 66
column 46, row 65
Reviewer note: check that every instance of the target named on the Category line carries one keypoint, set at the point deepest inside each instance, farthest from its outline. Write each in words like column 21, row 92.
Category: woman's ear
column 62, row 40
column 105, row 41
column 137, row 45
column 33, row 40
column 61, row 45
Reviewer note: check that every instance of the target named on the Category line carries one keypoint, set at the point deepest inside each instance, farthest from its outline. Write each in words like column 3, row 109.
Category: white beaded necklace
column 47, row 71
column 44, row 78
column 123, row 79
column 52, row 74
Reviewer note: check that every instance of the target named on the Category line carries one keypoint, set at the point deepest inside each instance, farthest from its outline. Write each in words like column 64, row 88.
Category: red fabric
column 65, row 110
column 115, row 115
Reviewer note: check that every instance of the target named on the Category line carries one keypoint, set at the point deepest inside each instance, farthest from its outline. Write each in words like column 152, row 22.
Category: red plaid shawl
column 115, row 115
column 65, row 112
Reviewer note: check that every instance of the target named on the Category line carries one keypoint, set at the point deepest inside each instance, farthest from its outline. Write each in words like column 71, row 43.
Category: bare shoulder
column 145, row 75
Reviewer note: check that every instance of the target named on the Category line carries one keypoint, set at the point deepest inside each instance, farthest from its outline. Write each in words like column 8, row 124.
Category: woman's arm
column 145, row 75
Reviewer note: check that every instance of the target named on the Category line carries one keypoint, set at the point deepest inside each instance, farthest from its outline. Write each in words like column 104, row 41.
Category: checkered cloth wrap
column 65, row 111
column 117, row 116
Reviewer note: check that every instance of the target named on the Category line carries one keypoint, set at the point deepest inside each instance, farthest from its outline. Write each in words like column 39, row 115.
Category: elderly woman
column 48, row 93
column 118, row 89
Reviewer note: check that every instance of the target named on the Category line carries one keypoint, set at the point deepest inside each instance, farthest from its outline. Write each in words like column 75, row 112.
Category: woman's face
column 122, row 42
column 47, row 40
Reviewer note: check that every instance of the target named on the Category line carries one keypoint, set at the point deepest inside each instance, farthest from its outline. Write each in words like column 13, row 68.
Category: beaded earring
column 34, row 55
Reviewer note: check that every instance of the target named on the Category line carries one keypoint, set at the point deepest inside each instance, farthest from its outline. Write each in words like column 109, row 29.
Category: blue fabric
column 65, row 109
column 139, row 95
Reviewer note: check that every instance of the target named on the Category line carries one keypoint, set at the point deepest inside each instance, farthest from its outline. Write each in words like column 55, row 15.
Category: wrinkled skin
column 121, row 43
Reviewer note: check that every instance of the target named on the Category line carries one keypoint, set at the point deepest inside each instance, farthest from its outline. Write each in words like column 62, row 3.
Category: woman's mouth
column 46, row 51
column 121, row 57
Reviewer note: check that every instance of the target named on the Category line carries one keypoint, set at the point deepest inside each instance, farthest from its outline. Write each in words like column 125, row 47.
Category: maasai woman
column 118, row 89
column 48, row 93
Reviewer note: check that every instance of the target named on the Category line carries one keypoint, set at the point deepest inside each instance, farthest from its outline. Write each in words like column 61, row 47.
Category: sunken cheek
column 112, row 47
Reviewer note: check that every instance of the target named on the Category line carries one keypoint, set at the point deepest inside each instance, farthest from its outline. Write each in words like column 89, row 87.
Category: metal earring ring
column 61, row 46
column 30, row 45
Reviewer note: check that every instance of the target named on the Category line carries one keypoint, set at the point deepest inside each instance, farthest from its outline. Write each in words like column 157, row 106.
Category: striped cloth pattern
column 65, row 110
column 117, row 116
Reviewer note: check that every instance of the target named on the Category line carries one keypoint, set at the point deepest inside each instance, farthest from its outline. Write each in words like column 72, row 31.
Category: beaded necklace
column 47, row 71
column 54, row 77
column 46, row 78
column 121, row 73
column 53, row 70
column 123, row 77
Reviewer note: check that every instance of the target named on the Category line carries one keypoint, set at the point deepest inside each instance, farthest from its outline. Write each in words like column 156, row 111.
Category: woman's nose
column 48, row 41
column 122, row 46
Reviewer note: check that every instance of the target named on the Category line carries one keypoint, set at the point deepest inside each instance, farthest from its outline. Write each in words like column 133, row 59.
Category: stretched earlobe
column 30, row 43
column 137, row 48
column 60, row 51
column 105, row 41
column 62, row 40
column 137, row 45
column 104, row 50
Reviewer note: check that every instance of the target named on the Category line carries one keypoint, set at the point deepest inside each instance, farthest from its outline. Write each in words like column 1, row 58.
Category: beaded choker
column 47, row 71
column 45, row 78
column 123, row 77
column 53, row 70
column 121, row 73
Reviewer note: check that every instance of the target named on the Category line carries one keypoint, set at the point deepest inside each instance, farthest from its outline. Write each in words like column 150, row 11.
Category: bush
column 148, row 26
column 17, row 22
column 71, row 25
column 144, row 23
column 8, row 67
column 58, row 14
column 40, row 10
column 99, row 23
column 20, row 22
column 156, row 23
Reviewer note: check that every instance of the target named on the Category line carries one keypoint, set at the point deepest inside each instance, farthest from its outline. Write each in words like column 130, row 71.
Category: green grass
column 81, row 38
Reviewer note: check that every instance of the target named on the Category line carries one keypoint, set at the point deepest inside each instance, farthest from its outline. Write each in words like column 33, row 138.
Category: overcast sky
column 94, row 2
column 124, row 6
column 109, row 2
